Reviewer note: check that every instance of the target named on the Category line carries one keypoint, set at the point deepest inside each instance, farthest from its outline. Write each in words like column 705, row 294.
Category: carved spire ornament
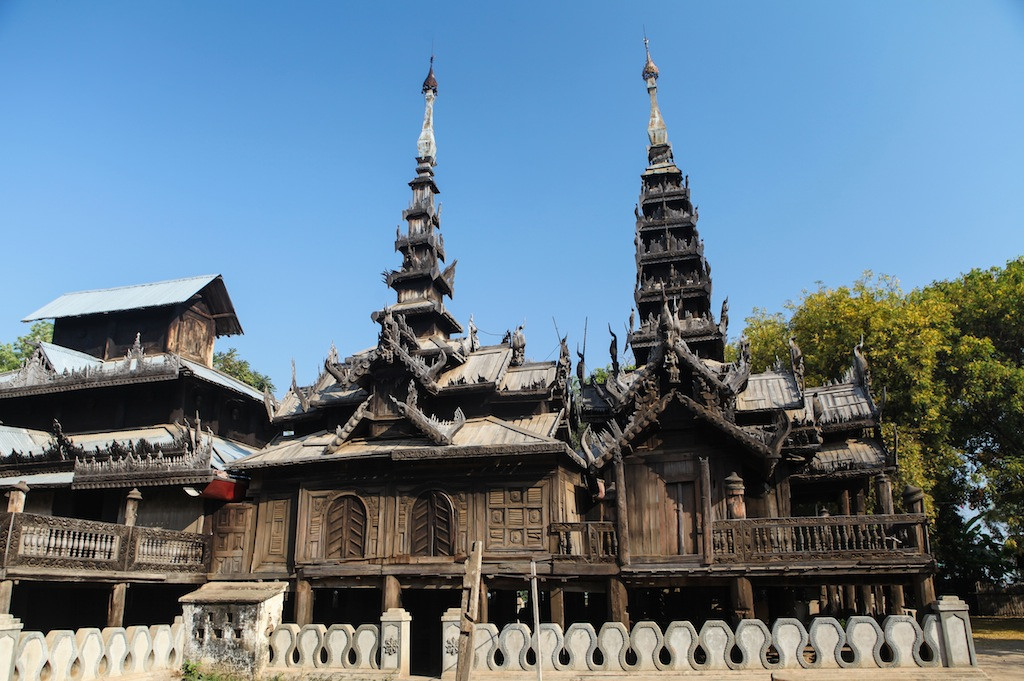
column 425, row 145
column 656, row 130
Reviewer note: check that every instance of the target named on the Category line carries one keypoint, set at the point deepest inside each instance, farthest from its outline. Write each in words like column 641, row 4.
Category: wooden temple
column 115, row 441
column 687, row 487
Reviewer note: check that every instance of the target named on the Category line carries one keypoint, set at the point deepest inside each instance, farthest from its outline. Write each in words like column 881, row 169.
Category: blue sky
column 272, row 143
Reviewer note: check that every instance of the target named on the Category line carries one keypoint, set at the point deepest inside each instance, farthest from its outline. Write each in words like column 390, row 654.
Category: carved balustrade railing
column 39, row 541
column 593, row 541
column 862, row 536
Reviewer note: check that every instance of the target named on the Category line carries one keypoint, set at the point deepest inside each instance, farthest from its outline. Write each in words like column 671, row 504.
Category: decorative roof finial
column 650, row 70
column 425, row 145
column 656, row 130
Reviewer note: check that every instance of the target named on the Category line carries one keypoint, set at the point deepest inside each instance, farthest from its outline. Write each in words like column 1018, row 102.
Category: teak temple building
column 688, row 487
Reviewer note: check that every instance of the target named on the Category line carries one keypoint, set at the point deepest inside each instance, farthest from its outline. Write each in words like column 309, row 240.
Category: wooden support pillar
column 303, row 602
column 621, row 510
column 883, row 492
column 6, row 591
column 742, row 593
column 557, row 600
column 618, row 601
column 131, row 507
column 866, row 600
column 16, row 497
column 392, row 593
column 734, row 496
column 844, row 502
column 705, row 501
column 924, row 590
column 115, row 607
column 896, row 600
column 483, row 610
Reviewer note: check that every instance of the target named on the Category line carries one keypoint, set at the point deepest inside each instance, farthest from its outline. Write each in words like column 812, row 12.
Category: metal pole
column 536, row 618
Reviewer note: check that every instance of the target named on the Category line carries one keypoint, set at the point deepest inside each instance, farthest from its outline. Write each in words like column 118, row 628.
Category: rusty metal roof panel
column 529, row 377
column 843, row 402
column 853, row 454
column 141, row 296
column 483, row 366
column 770, row 390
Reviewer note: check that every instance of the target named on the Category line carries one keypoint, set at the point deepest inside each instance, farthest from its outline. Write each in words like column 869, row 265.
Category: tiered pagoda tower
column 421, row 284
column 671, row 271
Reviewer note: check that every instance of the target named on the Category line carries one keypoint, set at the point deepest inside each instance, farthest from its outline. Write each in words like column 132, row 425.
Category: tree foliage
column 12, row 355
column 231, row 364
column 949, row 360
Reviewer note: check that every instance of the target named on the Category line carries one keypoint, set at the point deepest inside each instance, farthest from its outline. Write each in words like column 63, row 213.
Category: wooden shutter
column 346, row 528
column 432, row 526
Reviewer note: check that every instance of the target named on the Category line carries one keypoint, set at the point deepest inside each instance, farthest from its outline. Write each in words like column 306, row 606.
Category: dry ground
column 1000, row 645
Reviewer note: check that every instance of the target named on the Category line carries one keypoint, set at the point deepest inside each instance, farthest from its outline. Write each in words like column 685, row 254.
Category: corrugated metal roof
column 483, row 366
column 843, row 402
column 224, row 451
column 23, row 440
column 770, row 390
column 537, row 376
column 848, row 455
column 155, row 294
column 222, row 379
column 476, row 433
column 141, row 296
column 38, row 480
column 65, row 359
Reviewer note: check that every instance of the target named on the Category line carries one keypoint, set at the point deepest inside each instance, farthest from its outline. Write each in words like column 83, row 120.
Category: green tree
column 13, row 354
column 231, row 364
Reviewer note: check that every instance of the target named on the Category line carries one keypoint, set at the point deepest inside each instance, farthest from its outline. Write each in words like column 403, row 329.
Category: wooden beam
column 470, row 612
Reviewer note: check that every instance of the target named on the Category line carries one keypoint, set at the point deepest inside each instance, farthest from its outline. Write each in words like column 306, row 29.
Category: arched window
column 432, row 526
column 346, row 527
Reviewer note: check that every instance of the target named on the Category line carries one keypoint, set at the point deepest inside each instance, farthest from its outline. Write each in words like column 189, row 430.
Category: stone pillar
column 303, row 602
column 734, row 490
column 450, row 631
column 618, row 601
column 392, row 592
column 557, row 601
column 115, row 605
column 742, row 593
column 10, row 632
column 395, row 641
column 16, row 497
column 956, row 640
column 131, row 507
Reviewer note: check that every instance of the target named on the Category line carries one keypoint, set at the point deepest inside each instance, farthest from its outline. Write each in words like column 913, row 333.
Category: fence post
column 394, row 641
column 10, row 632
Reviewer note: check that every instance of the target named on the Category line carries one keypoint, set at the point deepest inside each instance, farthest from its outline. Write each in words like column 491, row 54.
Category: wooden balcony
column 593, row 541
column 759, row 540
column 52, row 545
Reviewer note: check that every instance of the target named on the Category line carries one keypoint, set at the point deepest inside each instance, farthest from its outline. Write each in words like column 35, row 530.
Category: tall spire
column 425, row 145
column 672, row 277
column 421, row 284
column 656, row 130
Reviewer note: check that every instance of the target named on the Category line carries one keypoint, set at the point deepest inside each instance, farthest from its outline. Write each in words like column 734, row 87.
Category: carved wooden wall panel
column 515, row 518
column 232, row 526
column 432, row 525
column 346, row 527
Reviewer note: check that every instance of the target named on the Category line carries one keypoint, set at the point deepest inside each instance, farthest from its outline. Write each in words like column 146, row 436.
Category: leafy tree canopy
column 231, row 364
column 12, row 355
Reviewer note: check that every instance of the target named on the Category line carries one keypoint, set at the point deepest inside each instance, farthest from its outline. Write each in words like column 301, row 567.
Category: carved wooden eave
column 343, row 433
column 438, row 430
column 353, row 371
column 36, row 377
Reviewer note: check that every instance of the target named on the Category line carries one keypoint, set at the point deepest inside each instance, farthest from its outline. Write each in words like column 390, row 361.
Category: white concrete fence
column 86, row 654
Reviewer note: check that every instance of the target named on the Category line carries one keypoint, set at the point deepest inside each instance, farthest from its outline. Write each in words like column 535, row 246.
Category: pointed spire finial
column 656, row 130
column 426, row 147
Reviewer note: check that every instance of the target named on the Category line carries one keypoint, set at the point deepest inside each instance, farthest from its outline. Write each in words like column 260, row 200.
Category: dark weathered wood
column 742, row 597
column 557, row 601
column 303, row 602
column 621, row 511
column 470, row 612
column 706, row 522
column 115, row 606
column 618, row 601
column 392, row 592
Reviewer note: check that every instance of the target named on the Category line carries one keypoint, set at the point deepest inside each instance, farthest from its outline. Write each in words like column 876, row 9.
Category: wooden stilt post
column 470, row 608
column 303, row 602
column 558, row 606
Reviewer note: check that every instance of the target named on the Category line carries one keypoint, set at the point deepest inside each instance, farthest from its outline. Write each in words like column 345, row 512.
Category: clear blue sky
column 272, row 143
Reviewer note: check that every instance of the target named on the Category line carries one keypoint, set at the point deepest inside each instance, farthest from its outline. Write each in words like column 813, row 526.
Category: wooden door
column 346, row 528
column 231, row 530
column 432, row 526
column 684, row 502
